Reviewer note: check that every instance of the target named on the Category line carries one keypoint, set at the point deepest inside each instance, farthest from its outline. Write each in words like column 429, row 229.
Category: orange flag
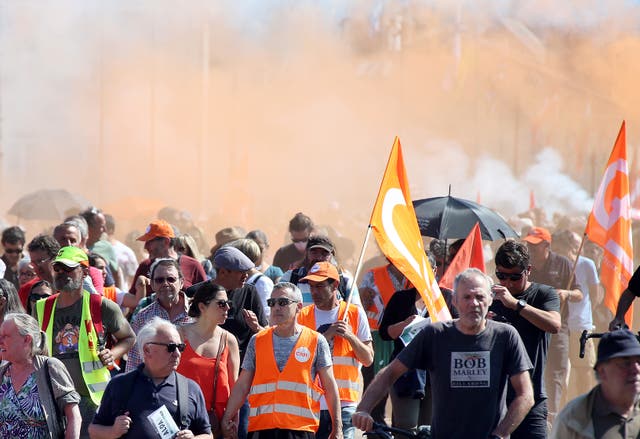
column 469, row 255
column 609, row 225
column 532, row 199
column 395, row 227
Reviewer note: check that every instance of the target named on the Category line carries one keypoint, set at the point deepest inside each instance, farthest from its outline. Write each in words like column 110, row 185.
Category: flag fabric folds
column 609, row 225
column 395, row 228
column 469, row 255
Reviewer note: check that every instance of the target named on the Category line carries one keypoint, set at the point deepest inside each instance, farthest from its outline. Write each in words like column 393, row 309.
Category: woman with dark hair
column 40, row 290
column 211, row 357
column 9, row 300
column 36, row 392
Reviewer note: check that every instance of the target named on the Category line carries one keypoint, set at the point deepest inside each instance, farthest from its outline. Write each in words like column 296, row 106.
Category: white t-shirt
column 364, row 334
column 264, row 286
column 580, row 317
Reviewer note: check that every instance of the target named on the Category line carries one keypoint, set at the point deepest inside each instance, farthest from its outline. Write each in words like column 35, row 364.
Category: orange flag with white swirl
column 395, row 227
column 609, row 225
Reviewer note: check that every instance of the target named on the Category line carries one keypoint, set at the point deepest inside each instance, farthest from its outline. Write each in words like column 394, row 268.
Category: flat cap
column 232, row 259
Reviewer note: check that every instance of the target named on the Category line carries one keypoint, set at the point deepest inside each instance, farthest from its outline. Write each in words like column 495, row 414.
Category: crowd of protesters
column 98, row 341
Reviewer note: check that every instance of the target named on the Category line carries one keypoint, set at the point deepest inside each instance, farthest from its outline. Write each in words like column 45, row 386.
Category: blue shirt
column 145, row 398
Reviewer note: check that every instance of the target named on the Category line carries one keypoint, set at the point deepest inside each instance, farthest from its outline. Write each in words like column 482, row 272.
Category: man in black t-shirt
column 534, row 310
column 626, row 299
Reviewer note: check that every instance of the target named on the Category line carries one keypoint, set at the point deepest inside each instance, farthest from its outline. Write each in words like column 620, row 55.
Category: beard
column 65, row 283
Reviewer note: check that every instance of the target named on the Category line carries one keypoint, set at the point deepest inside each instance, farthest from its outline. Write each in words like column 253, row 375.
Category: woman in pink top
column 205, row 341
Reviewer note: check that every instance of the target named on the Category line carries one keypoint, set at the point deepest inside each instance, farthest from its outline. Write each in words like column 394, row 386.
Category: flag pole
column 575, row 263
column 366, row 241
column 358, row 269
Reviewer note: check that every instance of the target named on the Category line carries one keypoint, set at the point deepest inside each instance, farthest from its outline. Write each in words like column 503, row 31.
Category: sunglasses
column 36, row 297
column 171, row 347
column 161, row 280
column 282, row 301
column 299, row 240
column 59, row 268
column 13, row 250
column 511, row 276
column 223, row 303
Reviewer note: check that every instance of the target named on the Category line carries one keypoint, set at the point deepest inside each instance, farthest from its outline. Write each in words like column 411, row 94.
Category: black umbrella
column 453, row 218
column 48, row 204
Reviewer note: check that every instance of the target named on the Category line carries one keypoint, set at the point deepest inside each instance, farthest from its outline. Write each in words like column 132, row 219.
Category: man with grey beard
column 77, row 324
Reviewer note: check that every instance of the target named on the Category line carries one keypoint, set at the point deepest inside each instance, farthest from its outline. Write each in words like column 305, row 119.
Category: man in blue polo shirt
column 151, row 401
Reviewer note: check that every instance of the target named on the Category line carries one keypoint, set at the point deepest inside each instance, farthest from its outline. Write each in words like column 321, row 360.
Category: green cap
column 72, row 257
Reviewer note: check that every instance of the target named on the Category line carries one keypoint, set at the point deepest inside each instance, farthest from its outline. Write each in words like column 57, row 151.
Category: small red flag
column 469, row 255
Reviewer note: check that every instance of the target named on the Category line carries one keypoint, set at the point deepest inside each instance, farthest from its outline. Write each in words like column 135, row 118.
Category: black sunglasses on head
column 511, row 276
column 171, row 347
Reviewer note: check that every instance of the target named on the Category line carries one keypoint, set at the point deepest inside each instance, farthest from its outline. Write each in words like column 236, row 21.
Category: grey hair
column 295, row 291
column 80, row 223
column 470, row 274
column 24, row 262
column 151, row 329
column 28, row 325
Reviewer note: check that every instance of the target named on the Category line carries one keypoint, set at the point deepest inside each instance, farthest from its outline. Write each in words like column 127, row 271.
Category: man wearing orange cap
column 552, row 269
column 350, row 341
column 159, row 241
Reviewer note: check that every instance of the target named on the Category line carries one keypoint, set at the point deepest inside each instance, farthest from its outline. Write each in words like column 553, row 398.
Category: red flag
column 609, row 225
column 469, row 255
column 395, row 227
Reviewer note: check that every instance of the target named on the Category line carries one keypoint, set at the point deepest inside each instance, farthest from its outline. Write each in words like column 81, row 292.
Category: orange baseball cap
column 157, row 229
column 538, row 234
column 321, row 271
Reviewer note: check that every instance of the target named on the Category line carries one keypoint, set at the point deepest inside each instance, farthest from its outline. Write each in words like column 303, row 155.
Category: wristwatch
column 521, row 304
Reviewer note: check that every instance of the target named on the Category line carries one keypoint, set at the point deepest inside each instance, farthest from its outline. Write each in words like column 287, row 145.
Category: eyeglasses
column 15, row 251
column 171, row 347
column 511, row 276
column 282, row 301
column 223, row 303
column 27, row 273
column 294, row 240
column 36, row 297
column 59, row 268
column 161, row 280
column 41, row 261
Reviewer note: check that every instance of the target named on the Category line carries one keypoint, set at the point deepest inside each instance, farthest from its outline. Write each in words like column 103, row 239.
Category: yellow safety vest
column 95, row 374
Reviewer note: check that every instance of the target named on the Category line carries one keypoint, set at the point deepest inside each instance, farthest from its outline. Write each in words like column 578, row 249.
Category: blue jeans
column 243, row 421
column 348, row 430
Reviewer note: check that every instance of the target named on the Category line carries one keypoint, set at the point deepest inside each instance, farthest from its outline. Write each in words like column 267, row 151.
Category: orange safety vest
column 346, row 367
column 289, row 399
column 110, row 293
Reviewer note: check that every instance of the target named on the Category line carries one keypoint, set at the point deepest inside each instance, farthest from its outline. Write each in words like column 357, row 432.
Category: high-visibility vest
column 289, row 399
column 346, row 367
column 110, row 293
column 95, row 374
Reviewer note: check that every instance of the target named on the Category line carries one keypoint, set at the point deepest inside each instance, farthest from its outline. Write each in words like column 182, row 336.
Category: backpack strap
column 182, row 388
column 48, row 308
column 127, row 384
column 296, row 275
column 255, row 281
column 95, row 309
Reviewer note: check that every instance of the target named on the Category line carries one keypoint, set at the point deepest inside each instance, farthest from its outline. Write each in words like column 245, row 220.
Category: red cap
column 157, row 229
column 538, row 234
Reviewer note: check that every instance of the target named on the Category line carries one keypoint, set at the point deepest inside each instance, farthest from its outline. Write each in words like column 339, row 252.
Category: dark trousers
column 378, row 411
column 534, row 425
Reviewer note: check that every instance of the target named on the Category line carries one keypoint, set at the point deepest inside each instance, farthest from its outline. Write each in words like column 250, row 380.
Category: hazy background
column 246, row 112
